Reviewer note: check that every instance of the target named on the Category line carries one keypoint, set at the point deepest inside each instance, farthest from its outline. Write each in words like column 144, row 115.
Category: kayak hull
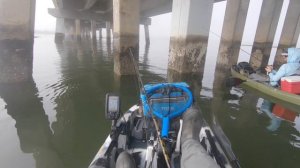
column 274, row 94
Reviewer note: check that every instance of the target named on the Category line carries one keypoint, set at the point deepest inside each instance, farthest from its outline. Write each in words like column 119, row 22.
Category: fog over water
column 57, row 119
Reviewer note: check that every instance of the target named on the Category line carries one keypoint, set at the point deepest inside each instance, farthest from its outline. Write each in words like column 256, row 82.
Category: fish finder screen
column 113, row 104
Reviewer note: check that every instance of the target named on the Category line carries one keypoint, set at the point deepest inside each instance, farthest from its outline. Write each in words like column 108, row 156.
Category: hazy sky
column 44, row 21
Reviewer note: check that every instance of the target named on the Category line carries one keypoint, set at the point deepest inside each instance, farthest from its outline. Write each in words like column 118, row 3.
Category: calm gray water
column 57, row 119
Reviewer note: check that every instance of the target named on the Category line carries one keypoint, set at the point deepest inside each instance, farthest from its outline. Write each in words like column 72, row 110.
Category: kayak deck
column 146, row 153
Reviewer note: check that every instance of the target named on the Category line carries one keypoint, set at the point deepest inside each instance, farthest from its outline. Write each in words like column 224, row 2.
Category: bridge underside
column 189, row 36
column 102, row 9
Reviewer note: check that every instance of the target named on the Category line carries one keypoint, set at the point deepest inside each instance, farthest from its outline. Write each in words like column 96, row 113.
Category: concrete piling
column 108, row 30
column 100, row 33
column 232, row 32
column 265, row 33
column 126, row 35
column 290, row 30
column 189, row 36
column 147, row 38
column 16, row 40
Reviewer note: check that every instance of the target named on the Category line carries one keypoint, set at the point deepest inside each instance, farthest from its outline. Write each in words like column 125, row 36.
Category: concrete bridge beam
column 16, row 40
column 126, row 35
column 189, row 36
column 232, row 32
column 58, row 3
column 265, row 32
column 75, row 14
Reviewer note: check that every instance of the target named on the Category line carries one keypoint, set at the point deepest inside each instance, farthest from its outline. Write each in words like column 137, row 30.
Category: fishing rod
column 142, row 89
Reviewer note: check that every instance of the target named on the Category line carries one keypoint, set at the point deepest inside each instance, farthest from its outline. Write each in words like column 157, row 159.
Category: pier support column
column 78, row 29
column 85, row 32
column 69, row 29
column 60, row 30
column 190, row 27
column 290, row 31
column 147, row 22
column 126, row 35
column 100, row 33
column 88, row 32
column 93, row 28
column 73, row 30
column 108, row 31
column 147, row 38
column 16, row 40
column 232, row 32
column 265, row 33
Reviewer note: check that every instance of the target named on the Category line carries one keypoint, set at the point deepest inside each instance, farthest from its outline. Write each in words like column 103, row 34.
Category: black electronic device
column 112, row 107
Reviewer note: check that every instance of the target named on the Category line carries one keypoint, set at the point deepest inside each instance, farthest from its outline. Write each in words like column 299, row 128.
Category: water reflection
column 74, row 81
column 235, row 95
column 87, row 75
column 277, row 114
column 267, row 108
column 280, row 119
column 193, row 80
column 32, row 124
column 108, row 47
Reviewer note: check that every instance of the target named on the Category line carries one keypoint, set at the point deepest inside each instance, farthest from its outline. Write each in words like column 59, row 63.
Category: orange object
column 291, row 84
column 284, row 113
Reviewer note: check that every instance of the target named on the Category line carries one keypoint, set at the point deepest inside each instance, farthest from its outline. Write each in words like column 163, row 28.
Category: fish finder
column 112, row 107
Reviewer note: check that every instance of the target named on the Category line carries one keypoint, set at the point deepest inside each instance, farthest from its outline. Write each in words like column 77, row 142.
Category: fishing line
column 233, row 158
column 141, row 86
column 139, row 82
column 241, row 49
